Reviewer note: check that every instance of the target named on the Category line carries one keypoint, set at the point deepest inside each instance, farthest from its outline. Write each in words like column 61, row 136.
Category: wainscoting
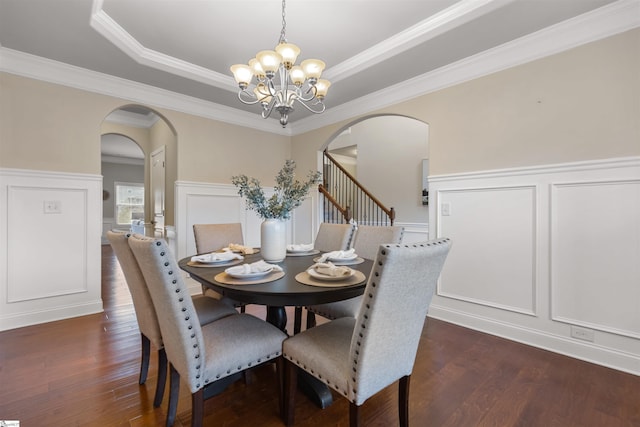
column 50, row 250
column 548, row 256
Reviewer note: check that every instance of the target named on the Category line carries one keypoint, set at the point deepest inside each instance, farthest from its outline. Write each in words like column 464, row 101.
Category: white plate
column 342, row 259
column 313, row 273
column 220, row 261
column 248, row 275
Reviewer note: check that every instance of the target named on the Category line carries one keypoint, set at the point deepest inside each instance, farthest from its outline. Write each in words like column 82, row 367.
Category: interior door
column 158, row 190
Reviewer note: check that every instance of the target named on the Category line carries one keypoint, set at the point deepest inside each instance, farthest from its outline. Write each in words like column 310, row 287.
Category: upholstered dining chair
column 358, row 357
column 330, row 237
column 207, row 309
column 213, row 237
column 200, row 355
column 368, row 239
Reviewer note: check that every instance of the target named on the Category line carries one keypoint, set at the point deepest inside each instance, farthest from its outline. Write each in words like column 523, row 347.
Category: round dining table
column 281, row 292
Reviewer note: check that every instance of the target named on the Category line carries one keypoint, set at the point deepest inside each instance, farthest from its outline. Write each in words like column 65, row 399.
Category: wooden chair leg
column 354, row 415
column 162, row 377
column 311, row 320
column 243, row 309
column 290, row 385
column 197, row 408
column 403, row 400
column 174, row 391
column 280, row 377
column 145, row 356
column 297, row 323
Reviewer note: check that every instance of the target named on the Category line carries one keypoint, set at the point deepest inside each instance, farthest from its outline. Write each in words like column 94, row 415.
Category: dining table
column 292, row 286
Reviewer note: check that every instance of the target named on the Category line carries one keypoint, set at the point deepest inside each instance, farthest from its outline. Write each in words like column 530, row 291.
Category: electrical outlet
column 584, row 334
column 52, row 207
column 445, row 209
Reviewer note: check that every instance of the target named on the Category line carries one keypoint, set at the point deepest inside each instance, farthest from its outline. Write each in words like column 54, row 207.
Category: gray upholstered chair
column 330, row 237
column 213, row 237
column 334, row 237
column 202, row 356
column 368, row 239
column 207, row 309
column 358, row 357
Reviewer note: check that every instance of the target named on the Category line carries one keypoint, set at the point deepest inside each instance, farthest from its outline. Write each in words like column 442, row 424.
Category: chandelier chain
column 283, row 37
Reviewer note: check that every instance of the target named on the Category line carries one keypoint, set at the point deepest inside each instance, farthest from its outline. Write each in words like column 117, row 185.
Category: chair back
column 213, row 237
column 142, row 303
column 333, row 237
column 368, row 238
column 179, row 323
column 391, row 318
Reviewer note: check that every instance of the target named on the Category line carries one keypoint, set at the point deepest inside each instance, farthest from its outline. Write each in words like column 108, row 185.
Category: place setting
column 346, row 257
column 301, row 250
column 328, row 274
column 250, row 274
column 223, row 258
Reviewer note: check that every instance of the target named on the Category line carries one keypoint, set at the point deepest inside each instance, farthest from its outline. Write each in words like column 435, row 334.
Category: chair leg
column 297, row 322
column 290, row 384
column 174, row 391
column 403, row 400
column 280, row 377
column 197, row 408
column 162, row 377
column 145, row 356
column 354, row 415
column 311, row 320
column 243, row 309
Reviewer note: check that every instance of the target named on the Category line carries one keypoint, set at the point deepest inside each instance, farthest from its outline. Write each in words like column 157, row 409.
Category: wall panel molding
column 50, row 251
column 582, row 221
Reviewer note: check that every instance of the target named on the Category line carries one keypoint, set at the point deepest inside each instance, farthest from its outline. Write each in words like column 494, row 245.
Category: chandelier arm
column 312, row 89
column 251, row 100
column 310, row 106
column 268, row 109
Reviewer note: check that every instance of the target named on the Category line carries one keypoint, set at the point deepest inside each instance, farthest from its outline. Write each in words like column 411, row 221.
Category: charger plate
column 357, row 278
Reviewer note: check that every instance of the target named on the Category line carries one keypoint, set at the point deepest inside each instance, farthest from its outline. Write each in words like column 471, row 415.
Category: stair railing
column 345, row 199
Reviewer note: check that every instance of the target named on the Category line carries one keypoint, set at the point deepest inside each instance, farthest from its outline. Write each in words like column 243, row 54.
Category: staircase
column 345, row 199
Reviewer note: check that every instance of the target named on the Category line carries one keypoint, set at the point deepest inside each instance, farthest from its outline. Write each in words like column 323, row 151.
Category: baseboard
column 23, row 319
column 585, row 351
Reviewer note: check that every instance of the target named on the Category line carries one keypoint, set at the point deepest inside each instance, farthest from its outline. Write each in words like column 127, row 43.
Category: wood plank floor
column 84, row 372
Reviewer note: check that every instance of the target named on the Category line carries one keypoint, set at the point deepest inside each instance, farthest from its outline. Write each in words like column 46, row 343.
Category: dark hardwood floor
column 84, row 372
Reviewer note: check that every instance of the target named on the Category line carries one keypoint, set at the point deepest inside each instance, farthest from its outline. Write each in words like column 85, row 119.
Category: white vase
column 273, row 240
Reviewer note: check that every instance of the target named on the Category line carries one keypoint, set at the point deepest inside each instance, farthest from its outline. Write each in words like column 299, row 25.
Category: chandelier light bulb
column 322, row 86
column 289, row 53
column 243, row 74
column 297, row 75
column 312, row 68
column 269, row 61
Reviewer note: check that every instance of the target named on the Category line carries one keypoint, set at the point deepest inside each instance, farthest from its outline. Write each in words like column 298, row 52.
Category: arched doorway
column 388, row 155
column 156, row 138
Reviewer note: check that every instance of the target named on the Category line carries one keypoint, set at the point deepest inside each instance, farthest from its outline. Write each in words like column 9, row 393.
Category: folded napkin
column 241, row 248
column 216, row 256
column 300, row 248
column 256, row 267
column 329, row 269
column 338, row 255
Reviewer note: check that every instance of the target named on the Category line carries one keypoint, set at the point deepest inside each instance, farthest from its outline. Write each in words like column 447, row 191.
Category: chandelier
column 301, row 83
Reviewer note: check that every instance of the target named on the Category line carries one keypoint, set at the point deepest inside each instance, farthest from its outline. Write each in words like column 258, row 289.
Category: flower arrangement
column 288, row 195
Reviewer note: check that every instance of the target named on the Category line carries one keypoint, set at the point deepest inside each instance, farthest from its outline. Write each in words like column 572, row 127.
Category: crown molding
column 112, row 31
column 604, row 22
column 39, row 68
column 454, row 16
column 607, row 21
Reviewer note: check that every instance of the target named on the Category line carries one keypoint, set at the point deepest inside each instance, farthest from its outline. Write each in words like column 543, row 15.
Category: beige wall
column 582, row 104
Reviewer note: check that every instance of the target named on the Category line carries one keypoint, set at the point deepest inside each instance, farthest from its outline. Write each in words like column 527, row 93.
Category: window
column 129, row 202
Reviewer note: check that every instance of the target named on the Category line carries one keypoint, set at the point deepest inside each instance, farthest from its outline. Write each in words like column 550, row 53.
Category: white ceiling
column 187, row 46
